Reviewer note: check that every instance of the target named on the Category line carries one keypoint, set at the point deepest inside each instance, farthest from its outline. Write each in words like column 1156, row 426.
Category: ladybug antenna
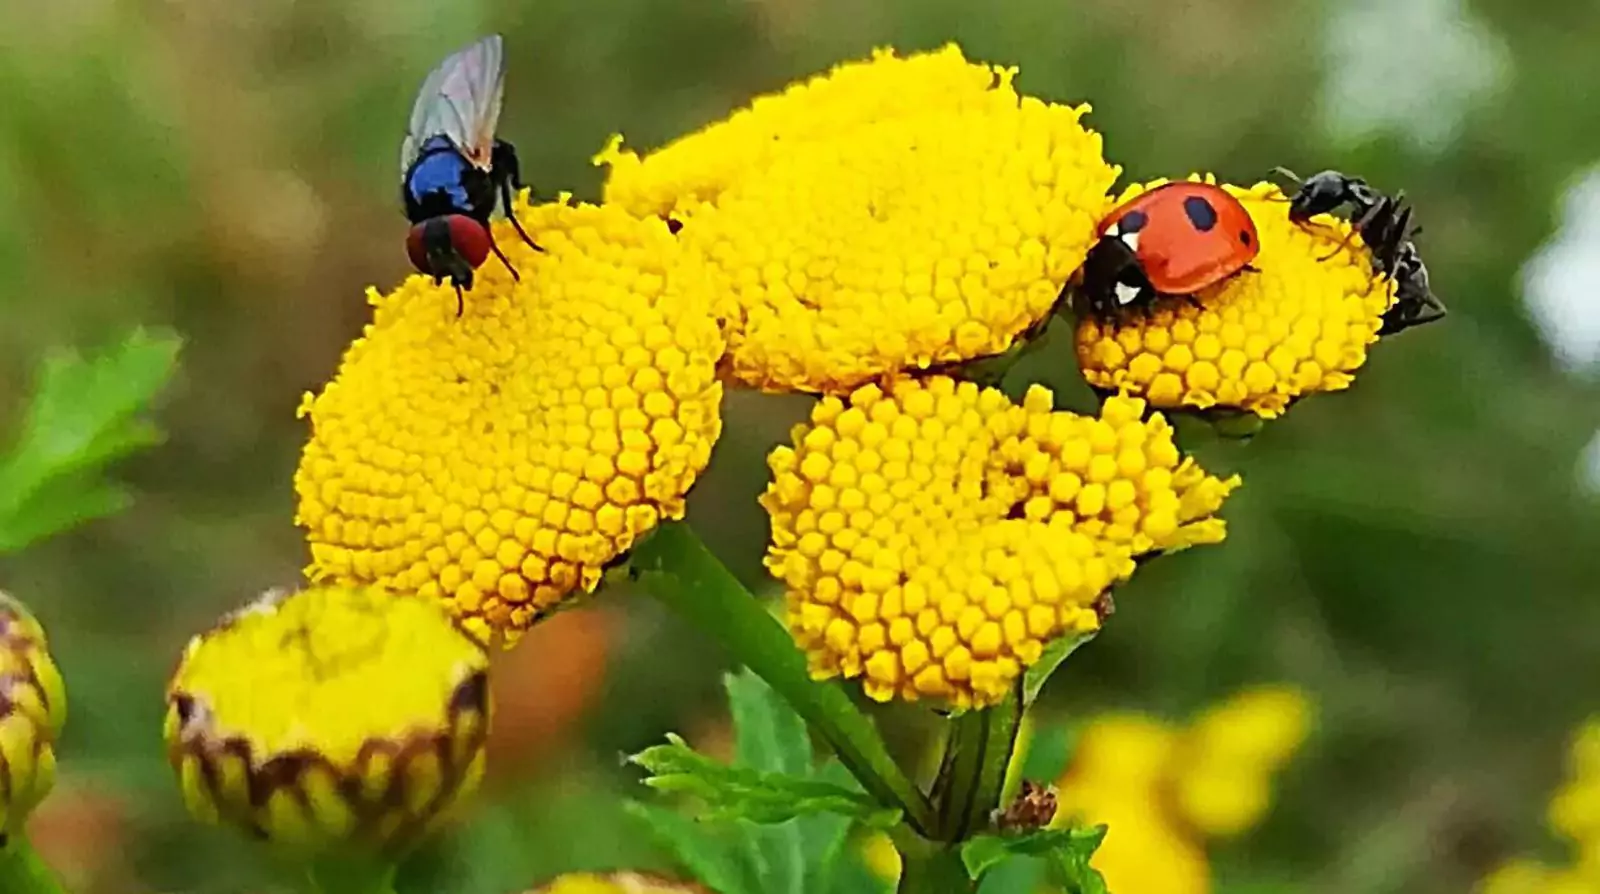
column 1285, row 173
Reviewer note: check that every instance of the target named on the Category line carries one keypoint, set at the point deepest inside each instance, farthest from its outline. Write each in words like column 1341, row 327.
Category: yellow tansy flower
column 1118, row 769
column 935, row 537
column 617, row 883
column 1299, row 324
column 497, row 462
column 894, row 214
column 33, row 709
column 330, row 720
column 1523, row 876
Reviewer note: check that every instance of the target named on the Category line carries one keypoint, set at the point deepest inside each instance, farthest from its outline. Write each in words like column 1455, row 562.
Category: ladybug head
column 450, row 246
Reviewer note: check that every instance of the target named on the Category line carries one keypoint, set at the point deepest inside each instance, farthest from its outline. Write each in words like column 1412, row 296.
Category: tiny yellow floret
column 330, row 719
column 894, row 214
column 497, row 462
column 1300, row 323
column 927, row 544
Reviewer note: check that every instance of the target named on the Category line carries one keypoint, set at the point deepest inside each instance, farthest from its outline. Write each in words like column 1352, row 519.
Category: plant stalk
column 675, row 567
column 23, row 871
column 930, row 867
column 977, row 755
column 351, row 875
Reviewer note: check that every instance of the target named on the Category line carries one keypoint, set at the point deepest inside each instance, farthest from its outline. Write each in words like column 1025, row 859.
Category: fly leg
column 506, row 170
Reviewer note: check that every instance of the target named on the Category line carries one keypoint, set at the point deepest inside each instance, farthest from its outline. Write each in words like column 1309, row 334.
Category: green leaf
column 730, row 792
column 677, row 569
column 770, row 737
column 1035, row 677
column 823, row 837
column 700, row 852
column 83, row 416
column 1067, row 850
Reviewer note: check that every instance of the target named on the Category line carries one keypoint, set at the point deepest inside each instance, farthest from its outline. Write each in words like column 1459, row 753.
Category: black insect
column 1384, row 223
column 454, row 169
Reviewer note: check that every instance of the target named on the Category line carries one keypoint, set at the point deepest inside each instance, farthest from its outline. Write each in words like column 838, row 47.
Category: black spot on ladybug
column 1132, row 222
column 1244, row 237
column 1200, row 213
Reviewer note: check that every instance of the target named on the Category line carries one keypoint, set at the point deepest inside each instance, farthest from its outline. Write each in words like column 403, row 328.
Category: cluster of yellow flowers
column 1164, row 789
column 858, row 237
column 1574, row 816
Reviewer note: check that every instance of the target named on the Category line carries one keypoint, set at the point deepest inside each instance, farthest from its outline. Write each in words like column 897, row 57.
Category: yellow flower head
column 935, row 537
column 329, row 720
column 1299, row 324
column 33, row 709
column 617, row 883
column 897, row 213
column 497, row 462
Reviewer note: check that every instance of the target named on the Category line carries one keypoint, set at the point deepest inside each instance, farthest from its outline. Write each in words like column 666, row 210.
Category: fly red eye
column 416, row 251
column 470, row 238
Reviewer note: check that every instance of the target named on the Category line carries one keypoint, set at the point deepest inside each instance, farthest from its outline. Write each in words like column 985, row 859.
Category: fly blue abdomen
column 437, row 182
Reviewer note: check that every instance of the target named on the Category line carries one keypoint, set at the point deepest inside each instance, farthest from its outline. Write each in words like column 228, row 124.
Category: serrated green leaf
column 770, row 737
column 729, row 792
column 1034, row 678
column 823, row 836
column 1067, row 850
column 706, row 857
column 83, row 415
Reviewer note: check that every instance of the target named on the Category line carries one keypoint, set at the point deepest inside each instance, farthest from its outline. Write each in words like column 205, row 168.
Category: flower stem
column 931, row 867
column 675, row 567
column 977, row 754
column 22, row 871
column 351, row 875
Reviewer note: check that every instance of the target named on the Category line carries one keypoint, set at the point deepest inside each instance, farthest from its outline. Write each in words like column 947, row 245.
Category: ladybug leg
column 1194, row 302
column 461, row 302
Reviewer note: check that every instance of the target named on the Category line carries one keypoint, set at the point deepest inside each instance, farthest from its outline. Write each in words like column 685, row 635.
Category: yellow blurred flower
column 897, row 213
column 330, row 720
column 1524, row 876
column 1163, row 788
column 33, row 709
column 617, row 883
column 882, row 858
column 1116, row 777
column 497, row 462
column 935, row 537
column 1300, row 325
column 1223, row 767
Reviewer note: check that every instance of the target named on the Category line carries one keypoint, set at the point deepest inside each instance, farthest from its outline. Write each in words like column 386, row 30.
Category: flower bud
column 330, row 720
column 33, row 708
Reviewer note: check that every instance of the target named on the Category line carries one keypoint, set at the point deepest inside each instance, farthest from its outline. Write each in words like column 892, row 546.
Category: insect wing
column 460, row 100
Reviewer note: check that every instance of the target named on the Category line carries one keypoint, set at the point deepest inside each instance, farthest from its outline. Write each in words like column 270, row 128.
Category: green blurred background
column 1421, row 553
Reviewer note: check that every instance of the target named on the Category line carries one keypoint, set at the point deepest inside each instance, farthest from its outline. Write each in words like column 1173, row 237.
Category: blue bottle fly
column 453, row 169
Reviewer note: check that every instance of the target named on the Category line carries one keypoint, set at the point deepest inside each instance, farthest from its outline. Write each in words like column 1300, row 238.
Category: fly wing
column 460, row 100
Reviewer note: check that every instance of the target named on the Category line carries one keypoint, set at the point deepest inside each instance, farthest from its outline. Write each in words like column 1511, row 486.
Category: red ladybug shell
column 1185, row 235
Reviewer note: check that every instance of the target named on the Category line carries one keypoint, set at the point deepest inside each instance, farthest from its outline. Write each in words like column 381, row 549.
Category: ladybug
column 1173, row 241
column 1384, row 223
